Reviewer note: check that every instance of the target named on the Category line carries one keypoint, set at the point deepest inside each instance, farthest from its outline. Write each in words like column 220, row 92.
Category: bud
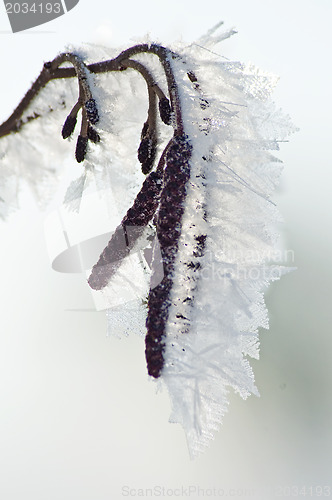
column 145, row 129
column 93, row 134
column 165, row 111
column 192, row 77
column 146, row 154
column 81, row 148
column 92, row 111
column 68, row 126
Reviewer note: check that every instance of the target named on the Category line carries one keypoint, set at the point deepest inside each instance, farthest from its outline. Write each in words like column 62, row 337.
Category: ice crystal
column 225, row 237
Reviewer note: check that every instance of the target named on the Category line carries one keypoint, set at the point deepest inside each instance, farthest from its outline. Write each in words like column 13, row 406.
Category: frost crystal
column 202, row 225
column 217, row 303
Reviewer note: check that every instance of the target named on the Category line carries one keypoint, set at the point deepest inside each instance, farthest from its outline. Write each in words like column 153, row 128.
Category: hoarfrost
column 234, row 133
column 233, row 126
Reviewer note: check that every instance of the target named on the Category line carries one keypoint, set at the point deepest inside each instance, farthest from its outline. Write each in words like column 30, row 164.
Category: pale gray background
column 79, row 418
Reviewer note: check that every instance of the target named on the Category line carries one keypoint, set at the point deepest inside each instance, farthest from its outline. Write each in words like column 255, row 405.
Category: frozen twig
column 52, row 70
column 207, row 198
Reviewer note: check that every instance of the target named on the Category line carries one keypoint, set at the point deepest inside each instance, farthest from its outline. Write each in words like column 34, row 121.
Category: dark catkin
column 69, row 126
column 92, row 111
column 165, row 111
column 147, row 153
column 93, row 134
column 145, row 129
column 128, row 232
column 81, row 148
column 171, row 209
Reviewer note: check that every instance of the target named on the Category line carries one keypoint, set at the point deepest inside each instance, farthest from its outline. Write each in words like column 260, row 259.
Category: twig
column 164, row 189
column 52, row 71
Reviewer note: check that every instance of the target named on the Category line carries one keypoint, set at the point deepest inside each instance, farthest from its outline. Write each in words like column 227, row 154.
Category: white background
column 79, row 418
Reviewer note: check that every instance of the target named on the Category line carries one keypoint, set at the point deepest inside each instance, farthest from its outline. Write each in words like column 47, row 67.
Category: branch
column 148, row 147
column 52, row 71
column 85, row 101
column 165, row 189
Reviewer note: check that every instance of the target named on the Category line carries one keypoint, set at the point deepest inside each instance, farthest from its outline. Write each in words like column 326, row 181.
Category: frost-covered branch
column 206, row 198
column 163, row 192
column 52, row 71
